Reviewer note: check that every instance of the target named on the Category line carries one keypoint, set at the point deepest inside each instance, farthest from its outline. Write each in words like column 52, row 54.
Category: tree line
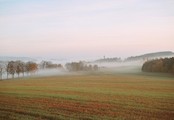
column 49, row 65
column 19, row 67
column 165, row 65
column 115, row 59
column 27, row 68
column 80, row 66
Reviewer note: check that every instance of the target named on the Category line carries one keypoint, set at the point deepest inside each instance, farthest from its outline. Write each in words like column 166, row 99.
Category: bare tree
column 23, row 65
column 2, row 69
column 20, row 67
column 11, row 68
column 43, row 64
column 95, row 67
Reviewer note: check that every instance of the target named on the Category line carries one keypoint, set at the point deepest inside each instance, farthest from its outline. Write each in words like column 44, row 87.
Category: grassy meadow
column 88, row 97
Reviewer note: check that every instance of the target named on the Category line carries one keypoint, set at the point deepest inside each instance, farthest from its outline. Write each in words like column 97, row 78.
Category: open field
column 97, row 96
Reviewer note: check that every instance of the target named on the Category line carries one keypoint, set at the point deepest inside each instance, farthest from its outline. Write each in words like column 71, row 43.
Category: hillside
column 151, row 56
column 143, row 57
column 11, row 58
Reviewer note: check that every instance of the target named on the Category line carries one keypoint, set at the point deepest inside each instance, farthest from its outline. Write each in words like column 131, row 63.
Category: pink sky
column 92, row 28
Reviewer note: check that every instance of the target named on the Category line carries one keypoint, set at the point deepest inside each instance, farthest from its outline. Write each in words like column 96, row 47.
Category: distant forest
column 165, row 65
column 115, row 59
column 144, row 57
column 150, row 56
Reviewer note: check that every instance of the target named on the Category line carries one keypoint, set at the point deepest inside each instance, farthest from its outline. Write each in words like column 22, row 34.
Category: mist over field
column 49, row 67
column 128, row 67
column 86, row 59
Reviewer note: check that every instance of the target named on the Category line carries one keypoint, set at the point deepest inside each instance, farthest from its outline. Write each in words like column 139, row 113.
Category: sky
column 85, row 28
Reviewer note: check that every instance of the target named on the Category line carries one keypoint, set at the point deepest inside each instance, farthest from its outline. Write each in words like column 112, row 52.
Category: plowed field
column 87, row 97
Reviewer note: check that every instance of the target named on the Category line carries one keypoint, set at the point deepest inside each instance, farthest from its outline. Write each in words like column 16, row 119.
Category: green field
column 88, row 97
